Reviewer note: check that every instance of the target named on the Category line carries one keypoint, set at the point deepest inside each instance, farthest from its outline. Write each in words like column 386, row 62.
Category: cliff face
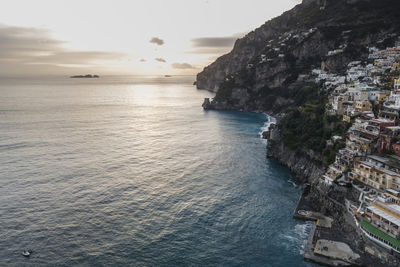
column 275, row 60
column 269, row 70
column 243, row 51
column 303, row 166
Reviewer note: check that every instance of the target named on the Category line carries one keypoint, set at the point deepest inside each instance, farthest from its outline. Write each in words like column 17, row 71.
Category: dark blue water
column 128, row 171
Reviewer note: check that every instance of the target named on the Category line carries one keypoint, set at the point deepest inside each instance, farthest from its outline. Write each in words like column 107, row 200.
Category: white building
column 356, row 72
column 358, row 95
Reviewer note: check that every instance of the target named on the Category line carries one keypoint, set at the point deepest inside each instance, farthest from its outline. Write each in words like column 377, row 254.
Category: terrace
column 379, row 235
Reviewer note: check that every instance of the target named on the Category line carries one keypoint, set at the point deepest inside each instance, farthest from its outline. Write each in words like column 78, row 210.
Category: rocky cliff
column 304, row 165
column 266, row 69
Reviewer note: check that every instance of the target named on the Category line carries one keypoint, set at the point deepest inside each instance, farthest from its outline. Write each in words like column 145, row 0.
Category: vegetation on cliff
column 309, row 127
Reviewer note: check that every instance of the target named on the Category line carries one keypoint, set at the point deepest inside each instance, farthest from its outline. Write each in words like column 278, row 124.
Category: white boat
column 26, row 253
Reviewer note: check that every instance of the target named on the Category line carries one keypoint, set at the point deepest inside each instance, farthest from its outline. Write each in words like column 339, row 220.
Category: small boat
column 26, row 253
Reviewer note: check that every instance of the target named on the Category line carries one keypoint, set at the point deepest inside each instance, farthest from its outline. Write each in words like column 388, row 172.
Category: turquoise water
column 130, row 171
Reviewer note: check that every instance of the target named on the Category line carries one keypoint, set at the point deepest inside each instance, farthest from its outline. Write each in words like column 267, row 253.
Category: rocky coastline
column 318, row 198
column 303, row 165
column 272, row 70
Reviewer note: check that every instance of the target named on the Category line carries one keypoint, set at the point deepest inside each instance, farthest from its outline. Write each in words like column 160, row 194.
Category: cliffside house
column 395, row 67
column 356, row 72
column 396, row 85
column 396, row 148
column 345, row 157
column 369, row 128
column 391, row 106
column 340, row 104
column 363, row 105
column 388, row 140
column 357, row 94
column 360, row 144
column 335, row 52
column 377, row 172
column 381, row 223
column 377, row 96
column 334, row 172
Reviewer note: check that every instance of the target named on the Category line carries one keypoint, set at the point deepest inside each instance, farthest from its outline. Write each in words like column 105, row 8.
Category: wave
column 303, row 230
column 296, row 239
column 7, row 147
column 293, row 183
column 270, row 120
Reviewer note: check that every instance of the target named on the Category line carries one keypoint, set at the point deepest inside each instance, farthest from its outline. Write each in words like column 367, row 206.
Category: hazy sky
column 124, row 37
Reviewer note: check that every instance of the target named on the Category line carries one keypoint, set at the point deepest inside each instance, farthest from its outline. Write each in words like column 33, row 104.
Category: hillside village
column 329, row 72
column 368, row 97
column 365, row 97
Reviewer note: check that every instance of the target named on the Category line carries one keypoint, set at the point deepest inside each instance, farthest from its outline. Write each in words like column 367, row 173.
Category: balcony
column 352, row 175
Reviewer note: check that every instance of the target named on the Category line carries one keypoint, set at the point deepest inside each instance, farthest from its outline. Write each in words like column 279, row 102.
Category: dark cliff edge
column 304, row 165
column 270, row 70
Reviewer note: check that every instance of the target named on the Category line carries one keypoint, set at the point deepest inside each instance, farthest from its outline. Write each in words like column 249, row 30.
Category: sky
column 130, row 37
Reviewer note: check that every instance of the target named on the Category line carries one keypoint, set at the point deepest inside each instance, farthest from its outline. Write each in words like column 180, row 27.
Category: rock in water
column 206, row 103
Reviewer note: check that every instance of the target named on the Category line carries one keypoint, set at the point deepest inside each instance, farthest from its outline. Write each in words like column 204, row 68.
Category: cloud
column 157, row 41
column 182, row 66
column 210, row 50
column 76, row 57
column 160, row 59
column 18, row 41
column 214, row 41
column 22, row 48
column 213, row 45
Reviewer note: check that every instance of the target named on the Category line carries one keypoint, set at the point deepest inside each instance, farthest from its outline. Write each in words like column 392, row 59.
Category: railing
column 386, row 228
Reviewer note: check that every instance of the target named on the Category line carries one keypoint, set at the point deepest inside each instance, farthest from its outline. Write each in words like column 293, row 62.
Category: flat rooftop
column 384, row 214
column 392, row 161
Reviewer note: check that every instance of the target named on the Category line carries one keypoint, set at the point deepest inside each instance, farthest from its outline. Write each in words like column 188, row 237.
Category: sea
column 131, row 171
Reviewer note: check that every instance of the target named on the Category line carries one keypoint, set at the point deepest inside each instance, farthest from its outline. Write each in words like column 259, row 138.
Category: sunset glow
column 115, row 37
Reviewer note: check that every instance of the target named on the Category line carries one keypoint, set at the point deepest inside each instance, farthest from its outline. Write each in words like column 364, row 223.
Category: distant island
column 167, row 76
column 85, row 76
